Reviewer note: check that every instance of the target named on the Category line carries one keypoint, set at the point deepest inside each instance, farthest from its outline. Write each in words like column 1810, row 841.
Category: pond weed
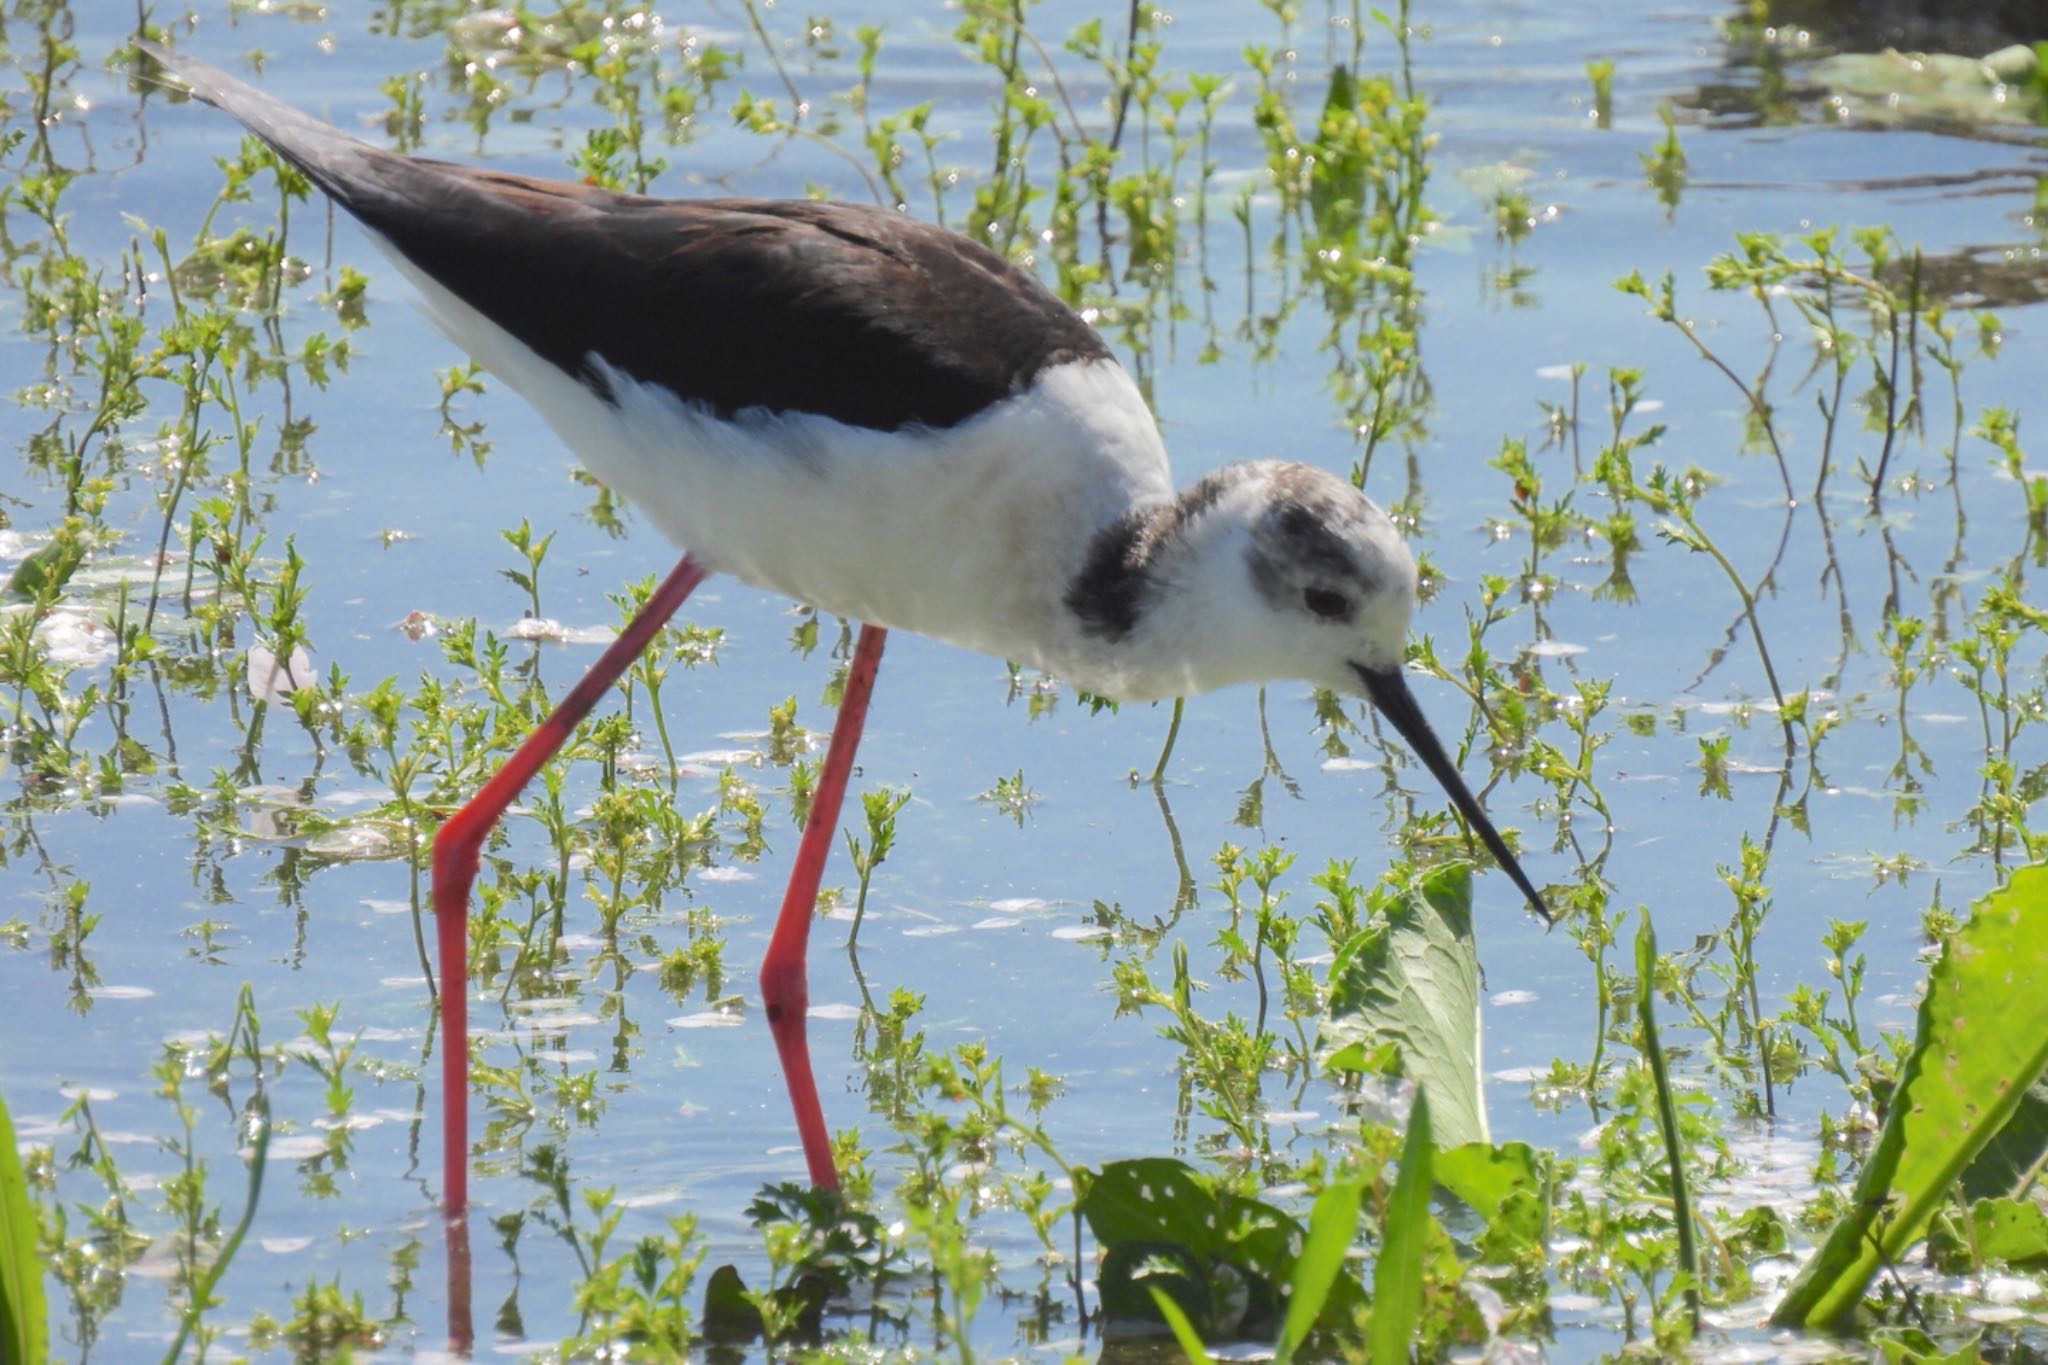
column 169, row 411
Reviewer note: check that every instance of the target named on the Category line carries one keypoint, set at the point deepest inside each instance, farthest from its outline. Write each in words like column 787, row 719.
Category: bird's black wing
column 858, row 314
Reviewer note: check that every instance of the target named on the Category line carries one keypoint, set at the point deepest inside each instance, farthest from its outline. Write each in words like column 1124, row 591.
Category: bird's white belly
column 927, row 532
column 969, row 534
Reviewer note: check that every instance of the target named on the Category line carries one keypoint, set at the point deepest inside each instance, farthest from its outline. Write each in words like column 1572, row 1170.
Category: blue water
column 969, row 912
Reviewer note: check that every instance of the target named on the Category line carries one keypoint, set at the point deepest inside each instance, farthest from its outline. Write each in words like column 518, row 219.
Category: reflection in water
column 1957, row 68
column 1251, row 801
column 455, row 1247
column 1909, row 25
column 1185, row 894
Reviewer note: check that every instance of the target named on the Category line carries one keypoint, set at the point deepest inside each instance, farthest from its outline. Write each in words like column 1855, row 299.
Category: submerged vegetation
column 1745, row 644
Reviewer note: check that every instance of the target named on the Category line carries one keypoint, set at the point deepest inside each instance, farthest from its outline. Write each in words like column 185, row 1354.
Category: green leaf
column 1260, row 1243
column 1133, row 1276
column 1330, row 1230
column 1337, row 185
column 730, row 1316
column 1397, row 1276
column 1911, row 1346
column 1415, row 983
column 1153, row 1199
column 2011, row 1230
column 41, row 576
column 1508, row 1186
column 1982, row 1042
column 2010, row 1158
column 1157, row 1216
column 1484, row 1175
column 1756, row 1232
column 24, row 1318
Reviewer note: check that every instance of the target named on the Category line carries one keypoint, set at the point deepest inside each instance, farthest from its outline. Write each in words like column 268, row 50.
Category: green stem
column 1172, row 734
column 1667, row 1114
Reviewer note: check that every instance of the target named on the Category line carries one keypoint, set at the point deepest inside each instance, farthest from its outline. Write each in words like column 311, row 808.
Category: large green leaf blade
column 24, row 1321
column 1982, row 1042
column 1416, row 983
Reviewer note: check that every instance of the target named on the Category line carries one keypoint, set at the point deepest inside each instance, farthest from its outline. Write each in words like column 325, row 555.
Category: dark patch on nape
column 1303, row 540
column 1111, row 592
column 786, row 306
column 1203, row 493
column 1107, row 595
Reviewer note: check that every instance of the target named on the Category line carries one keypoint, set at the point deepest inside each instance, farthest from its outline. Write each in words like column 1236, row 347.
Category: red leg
column 785, row 982
column 460, row 843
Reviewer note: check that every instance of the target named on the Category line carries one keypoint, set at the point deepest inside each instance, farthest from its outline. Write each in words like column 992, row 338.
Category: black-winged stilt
column 887, row 421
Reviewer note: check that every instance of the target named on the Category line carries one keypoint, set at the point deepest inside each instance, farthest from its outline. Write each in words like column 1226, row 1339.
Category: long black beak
column 1389, row 692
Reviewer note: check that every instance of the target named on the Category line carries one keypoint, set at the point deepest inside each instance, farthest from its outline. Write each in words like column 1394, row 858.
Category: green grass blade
column 1397, row 1278
column 1982, row 1041
column 1330, row 1230
column 1667, row 1114
column 1183, row 1331
column 24, row 1320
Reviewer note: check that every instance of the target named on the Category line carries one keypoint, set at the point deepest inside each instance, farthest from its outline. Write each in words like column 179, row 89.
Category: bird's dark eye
column 1331, row 606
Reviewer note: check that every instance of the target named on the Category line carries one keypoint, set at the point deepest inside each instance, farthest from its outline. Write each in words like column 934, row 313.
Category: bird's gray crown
column 1313, row 545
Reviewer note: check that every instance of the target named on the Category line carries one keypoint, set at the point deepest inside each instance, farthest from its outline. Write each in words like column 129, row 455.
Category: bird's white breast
column 969, row 534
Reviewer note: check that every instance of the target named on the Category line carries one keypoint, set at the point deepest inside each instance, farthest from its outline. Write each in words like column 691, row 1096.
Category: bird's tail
column 333, row 160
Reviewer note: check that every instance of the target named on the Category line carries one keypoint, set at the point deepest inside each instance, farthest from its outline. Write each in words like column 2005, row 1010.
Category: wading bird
column 887, row 421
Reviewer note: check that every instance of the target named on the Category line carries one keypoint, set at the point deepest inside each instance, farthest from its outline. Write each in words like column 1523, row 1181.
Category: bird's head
column 1264, row 571
column 1297, row 574
column 1333, row 574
